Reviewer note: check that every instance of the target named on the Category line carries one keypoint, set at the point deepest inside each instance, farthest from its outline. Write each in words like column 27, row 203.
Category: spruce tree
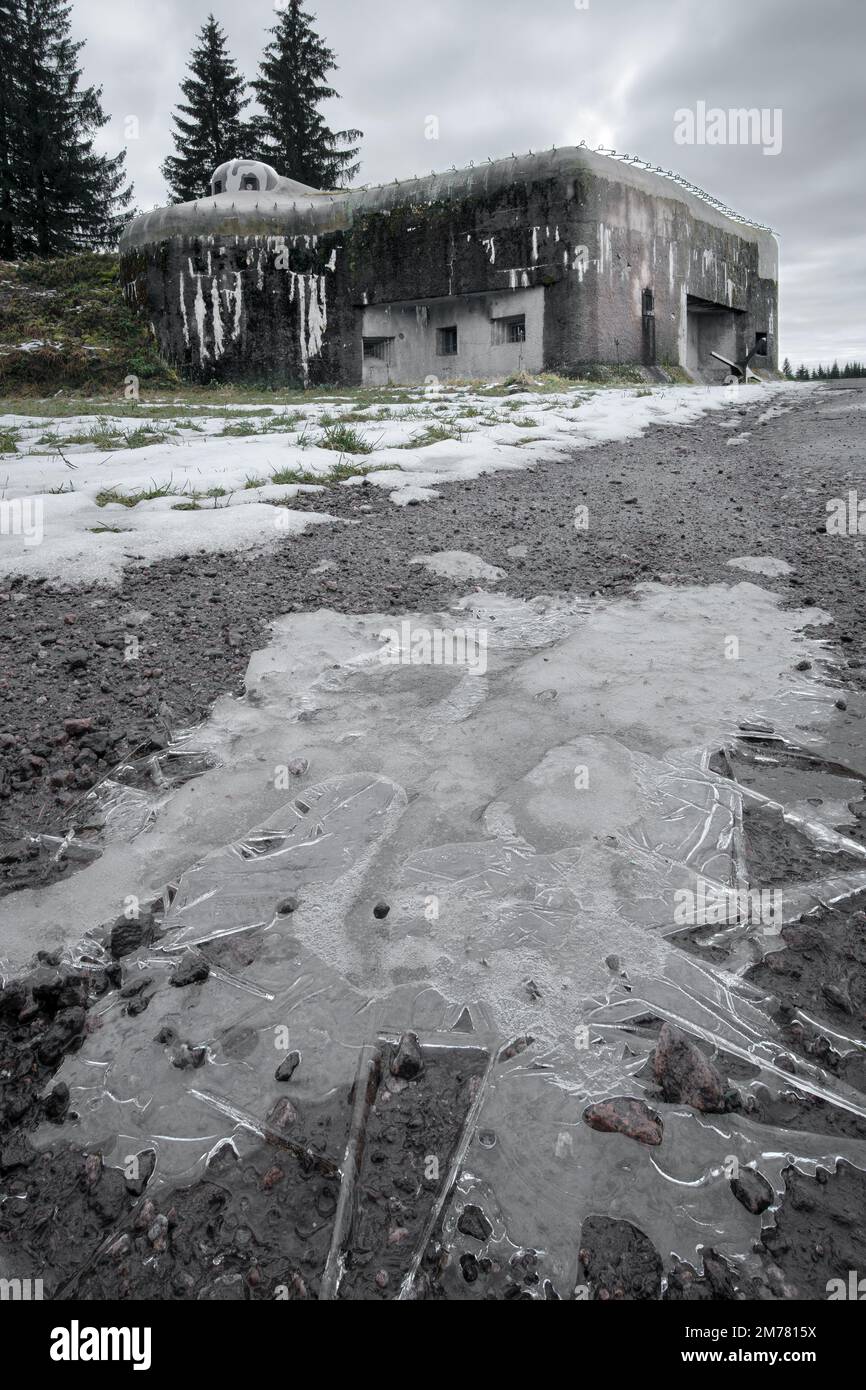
column 209, row 126
column 786, row 370
column 291, row 133
column 9, row 106
column 61, row 195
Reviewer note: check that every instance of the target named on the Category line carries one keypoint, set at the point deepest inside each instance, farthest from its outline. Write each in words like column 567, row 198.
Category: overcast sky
column 507, row 76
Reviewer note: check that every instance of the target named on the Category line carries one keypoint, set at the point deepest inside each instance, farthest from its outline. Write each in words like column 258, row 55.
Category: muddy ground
column 675, row 506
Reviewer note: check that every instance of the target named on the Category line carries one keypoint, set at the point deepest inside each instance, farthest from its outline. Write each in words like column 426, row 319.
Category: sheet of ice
column 459, row 565
column 761, row 564
column 219, row 477
column 527, row 823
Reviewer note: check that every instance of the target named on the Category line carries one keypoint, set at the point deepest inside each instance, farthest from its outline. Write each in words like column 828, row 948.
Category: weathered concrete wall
column 285, row 292
column 412, row 332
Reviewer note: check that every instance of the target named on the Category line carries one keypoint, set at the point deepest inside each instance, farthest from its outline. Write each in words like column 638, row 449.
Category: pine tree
column 59, row 195
column 9, row 105
column 786, row 370
column 292, row 83
column 209, row 125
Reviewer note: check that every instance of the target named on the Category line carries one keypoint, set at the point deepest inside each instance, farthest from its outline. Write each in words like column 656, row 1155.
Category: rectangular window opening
column 508, row 330
column 446, row 341
column 378, row 349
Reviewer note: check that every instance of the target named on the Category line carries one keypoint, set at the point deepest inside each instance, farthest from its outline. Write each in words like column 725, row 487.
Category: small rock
column 74, row 728
column 685, row 1075
column 193, row 970
column 286, row 1070
column 56, row 1103
column 282, row 1116
column 625, row 1115
column 472, row 1222
column 753, row 1191
column 407, row 1062
column 380, row 911
column 128, row 935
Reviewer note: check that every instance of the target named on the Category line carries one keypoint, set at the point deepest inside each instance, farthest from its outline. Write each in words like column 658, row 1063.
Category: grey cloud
column 503, row 75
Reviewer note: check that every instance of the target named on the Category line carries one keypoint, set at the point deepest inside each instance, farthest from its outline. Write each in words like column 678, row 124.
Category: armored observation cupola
column 244, row 176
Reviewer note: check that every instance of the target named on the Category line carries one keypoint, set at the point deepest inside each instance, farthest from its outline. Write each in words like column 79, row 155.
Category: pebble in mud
column 191, row 971
column 472, row 1222
column 407, row 1063
column 685, row 1075
column 129, row 934
column 380, row 911
column 282, row 1116
column 628, row 1116
column 287, row 1068
column 753, row 1191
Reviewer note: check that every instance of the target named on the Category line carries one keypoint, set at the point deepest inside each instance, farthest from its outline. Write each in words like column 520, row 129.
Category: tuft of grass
column 9, row 441
column 434, row 434
column 286, row 477
column 340, row 473
column 112, row 496
column 344, row 439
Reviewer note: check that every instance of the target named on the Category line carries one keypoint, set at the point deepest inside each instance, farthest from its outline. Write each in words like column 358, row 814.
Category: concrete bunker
column 559, row 261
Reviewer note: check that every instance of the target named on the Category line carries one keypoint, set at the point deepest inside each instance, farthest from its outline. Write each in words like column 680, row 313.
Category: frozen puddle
column 531, row 819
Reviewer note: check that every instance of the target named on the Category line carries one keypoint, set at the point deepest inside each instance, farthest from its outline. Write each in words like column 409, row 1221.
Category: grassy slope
column 90, row 339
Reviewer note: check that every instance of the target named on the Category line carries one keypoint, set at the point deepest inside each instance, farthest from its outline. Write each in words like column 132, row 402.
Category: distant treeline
column 833, row 373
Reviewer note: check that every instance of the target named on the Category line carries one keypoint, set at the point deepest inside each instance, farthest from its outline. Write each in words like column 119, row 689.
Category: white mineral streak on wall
column 183, row 315
column 297, row 287
column 200, row 315
column 317, row 315
column 534, row 245
column 489, row 244
column 217, row 320
column 671, row 266
column 239, row 301
column 311, row 293
column 332, row 263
